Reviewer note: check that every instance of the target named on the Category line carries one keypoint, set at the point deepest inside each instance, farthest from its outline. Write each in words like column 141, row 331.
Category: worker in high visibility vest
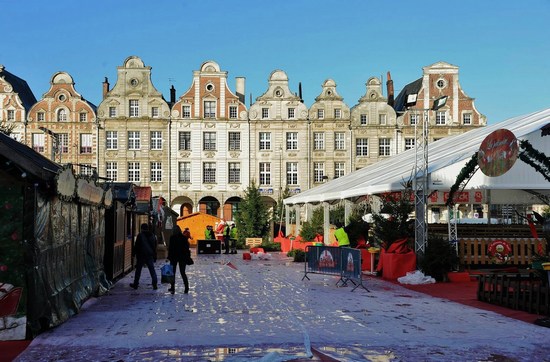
column 341, row 236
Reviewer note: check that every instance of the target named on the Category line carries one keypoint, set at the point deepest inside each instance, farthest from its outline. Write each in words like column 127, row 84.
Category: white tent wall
column 446, row 158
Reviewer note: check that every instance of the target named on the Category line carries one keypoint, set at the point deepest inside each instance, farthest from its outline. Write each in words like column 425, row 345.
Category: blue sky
column 502, row 47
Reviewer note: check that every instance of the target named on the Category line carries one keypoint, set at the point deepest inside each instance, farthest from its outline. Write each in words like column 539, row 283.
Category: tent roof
column 446, row 158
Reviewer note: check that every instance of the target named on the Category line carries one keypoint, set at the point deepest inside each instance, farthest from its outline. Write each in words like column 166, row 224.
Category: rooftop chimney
column 389, row 86
column 105, row 87
column 300, row 92
column 172, row 95
column 239, row 84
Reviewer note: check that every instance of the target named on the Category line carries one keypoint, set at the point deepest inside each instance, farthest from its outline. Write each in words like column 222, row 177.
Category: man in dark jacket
column 145, row 251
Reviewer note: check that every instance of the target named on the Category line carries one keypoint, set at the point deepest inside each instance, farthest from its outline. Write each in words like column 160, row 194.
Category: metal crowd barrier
column 331, row 260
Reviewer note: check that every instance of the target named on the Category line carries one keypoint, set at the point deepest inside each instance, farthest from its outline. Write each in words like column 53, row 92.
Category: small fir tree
column 311, row 228
column 253, row 219
column 397, row 225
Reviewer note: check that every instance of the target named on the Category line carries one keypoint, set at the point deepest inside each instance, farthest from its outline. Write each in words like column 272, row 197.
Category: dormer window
column 62, row 115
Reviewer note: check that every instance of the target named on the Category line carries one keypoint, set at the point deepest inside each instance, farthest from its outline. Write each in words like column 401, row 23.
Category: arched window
column 62, row 115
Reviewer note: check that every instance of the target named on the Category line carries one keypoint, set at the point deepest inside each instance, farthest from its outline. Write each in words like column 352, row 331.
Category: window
column 318, row 140
column 134, row 141
column 339, row 169
column 318, row 171
column 265, row 141
column 63, row 142
column 111, row 140
column 291, row 113
column 156, row 172
column 112, row 171
column 209, row 141
column 233, row 112
column 209, row 109
column 409, row 143
column 83, row 117
column 41, row 116
column 467, row 118
column 156, row 140
column 234, row 172
column 339, row 141
column 112, row 111
column 364, row 119
column 86, row 143
column 382, row 119
column 62, row 115
column 11, row 115
column 155, row 112
column 184, row 141
column 415, row 117
column 86, row 169
column 134, row 108
column 337, row 113
column 134, row 172
column 292, row 140
column 362, row 147
column 38, row 142
column 321, row 114
column 184, row 173
column 186, row 111
column 209, row 172
column 440, row 118
column 265, row 173
column 384, row 147
column 292, row 173
column 265, row 113
column 234, row 141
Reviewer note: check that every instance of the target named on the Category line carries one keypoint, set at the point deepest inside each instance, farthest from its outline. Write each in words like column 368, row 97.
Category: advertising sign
column 498, row 153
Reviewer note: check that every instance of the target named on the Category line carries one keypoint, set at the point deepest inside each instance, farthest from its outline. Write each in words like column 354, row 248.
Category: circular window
column 210, row 87
column 441, row 83
column 62, row 97
column 329, row 93
column 134, row 82
column 278, row 93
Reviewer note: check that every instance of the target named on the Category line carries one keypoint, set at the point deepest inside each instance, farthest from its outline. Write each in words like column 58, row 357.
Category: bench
column 253, row 242
column 477, row 251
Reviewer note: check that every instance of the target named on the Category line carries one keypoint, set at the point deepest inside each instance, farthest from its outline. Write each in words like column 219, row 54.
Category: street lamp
column 55, row 145
column 420, row 180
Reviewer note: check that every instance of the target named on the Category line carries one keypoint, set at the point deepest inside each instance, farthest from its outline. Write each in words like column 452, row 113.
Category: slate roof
column 20, row 87
column 27, row 159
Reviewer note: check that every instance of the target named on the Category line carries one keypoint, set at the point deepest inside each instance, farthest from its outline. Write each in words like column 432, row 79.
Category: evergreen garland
column 465, row 174
column 535, row 159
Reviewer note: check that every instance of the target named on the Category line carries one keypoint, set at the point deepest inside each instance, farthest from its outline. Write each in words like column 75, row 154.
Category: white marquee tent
column 446, row 158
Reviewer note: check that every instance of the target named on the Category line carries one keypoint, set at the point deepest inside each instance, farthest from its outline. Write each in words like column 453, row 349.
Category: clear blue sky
column 502, row 47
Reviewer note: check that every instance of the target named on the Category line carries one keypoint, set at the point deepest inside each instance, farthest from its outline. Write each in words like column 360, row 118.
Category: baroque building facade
column 133, row 130
column 201, row 151
column 63, row 125
column 210, row 145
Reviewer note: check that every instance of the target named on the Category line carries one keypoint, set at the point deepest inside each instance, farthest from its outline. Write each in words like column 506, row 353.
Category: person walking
column 145, row 252
column 179, row 253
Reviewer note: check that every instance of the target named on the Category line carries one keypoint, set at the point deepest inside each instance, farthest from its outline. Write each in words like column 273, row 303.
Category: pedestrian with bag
column 179, row 253
column 145, row 251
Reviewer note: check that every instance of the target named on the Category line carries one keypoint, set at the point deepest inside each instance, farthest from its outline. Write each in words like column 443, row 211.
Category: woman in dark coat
column 178, row 253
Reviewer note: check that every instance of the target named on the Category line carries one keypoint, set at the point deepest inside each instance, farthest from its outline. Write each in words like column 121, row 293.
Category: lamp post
column 55, row 144
column 420, row 180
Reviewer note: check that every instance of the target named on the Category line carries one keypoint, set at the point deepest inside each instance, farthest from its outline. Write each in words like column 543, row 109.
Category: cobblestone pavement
column 262, row 310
